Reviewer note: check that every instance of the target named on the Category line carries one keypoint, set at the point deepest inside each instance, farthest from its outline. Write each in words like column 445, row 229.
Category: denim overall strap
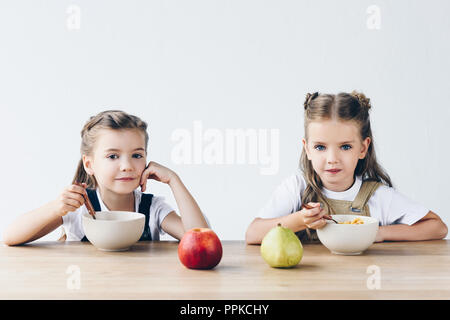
column 144, row 207
column 359, row 205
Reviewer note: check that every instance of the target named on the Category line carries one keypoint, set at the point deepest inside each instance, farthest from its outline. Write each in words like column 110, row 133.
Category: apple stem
column 279, row 225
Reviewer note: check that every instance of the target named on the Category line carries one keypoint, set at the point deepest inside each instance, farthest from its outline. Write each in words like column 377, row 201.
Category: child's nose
column 125, row 165
column 332, row 156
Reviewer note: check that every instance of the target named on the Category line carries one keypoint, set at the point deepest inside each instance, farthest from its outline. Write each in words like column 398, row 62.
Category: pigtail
column 362, row 99
column 81, row 176
column 309, row 98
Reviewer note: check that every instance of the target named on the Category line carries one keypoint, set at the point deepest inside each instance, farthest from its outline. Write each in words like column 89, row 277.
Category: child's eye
column 138, row 156
column 319, row 147
column 346, row 147
column 112, row 156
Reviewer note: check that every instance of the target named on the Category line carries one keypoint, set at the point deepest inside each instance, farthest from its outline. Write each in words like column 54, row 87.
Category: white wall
column 229, row 65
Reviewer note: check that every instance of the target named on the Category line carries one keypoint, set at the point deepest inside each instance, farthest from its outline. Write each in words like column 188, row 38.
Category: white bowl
column 348, row 239
column 113, row 230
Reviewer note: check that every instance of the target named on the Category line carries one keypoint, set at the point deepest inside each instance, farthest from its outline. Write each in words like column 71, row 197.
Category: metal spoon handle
column 330, row 218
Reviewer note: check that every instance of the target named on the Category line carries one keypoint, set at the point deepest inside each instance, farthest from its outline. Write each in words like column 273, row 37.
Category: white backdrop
column 209, row 68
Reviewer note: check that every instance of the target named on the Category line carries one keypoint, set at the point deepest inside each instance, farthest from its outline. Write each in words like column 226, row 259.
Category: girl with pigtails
column 339, row 174
column 112, row 167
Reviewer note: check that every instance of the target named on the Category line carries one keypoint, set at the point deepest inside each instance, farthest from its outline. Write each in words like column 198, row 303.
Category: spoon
column 87, row 202
column 327, row 217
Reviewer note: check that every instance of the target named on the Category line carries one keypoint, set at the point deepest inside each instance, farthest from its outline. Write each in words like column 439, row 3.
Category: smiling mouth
column 333, row 170
column 125, row 179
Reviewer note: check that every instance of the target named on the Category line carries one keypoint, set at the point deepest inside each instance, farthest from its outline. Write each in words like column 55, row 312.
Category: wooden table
column 151, row 270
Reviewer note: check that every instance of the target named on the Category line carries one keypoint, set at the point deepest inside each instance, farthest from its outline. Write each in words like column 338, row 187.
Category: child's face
column 334, row 148
column 117, row 154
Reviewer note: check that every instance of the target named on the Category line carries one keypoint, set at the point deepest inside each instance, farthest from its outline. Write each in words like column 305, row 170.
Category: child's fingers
column 322, row 224
column 144, row 177
column 314, row 204
column 144, row 185
column 317, row 224
column 74, row 196
column 151, row 177
column 154, row 177
column 311, row 221
column 312, row 208
column 76, row 188
column 313, row 218
column 70, row 202
column 312, row 212
column 153, row 171
column 149, row 170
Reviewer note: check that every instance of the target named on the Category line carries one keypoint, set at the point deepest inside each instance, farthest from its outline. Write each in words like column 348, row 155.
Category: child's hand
column 313, row 218
column 70, row 199
column 156, row 172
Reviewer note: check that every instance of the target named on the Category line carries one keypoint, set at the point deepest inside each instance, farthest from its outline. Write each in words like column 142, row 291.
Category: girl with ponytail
column 339, row 174
column 111, row 168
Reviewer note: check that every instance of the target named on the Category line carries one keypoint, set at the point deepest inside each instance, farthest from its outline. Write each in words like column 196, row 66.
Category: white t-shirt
column 386, row 204
column 158, row 211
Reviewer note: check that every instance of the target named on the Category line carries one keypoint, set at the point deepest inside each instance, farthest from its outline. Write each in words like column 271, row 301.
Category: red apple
column 200, row 248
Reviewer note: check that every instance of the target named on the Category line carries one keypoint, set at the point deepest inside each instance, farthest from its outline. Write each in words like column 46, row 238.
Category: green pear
column 281, row 248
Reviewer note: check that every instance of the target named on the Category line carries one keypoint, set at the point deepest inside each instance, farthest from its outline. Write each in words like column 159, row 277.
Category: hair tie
column 309, row 98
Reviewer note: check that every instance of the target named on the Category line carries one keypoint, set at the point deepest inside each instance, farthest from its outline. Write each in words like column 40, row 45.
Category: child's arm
column 305, row 218
column 430, row 227
column 39, row 222
column 191, row 215
column 32, row 225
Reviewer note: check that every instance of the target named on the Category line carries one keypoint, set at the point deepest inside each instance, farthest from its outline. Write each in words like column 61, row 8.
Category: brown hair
column 110, row 119
column 345, row 107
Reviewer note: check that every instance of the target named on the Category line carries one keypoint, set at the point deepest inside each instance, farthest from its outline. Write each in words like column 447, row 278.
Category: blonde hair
column 110, row 119
column 355, row 107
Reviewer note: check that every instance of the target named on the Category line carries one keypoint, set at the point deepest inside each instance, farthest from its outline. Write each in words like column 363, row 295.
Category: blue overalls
column 144, row 208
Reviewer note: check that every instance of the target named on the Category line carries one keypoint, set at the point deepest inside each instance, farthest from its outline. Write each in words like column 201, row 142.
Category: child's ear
column 87, row 163
column 365, row 147
column 305, row 146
